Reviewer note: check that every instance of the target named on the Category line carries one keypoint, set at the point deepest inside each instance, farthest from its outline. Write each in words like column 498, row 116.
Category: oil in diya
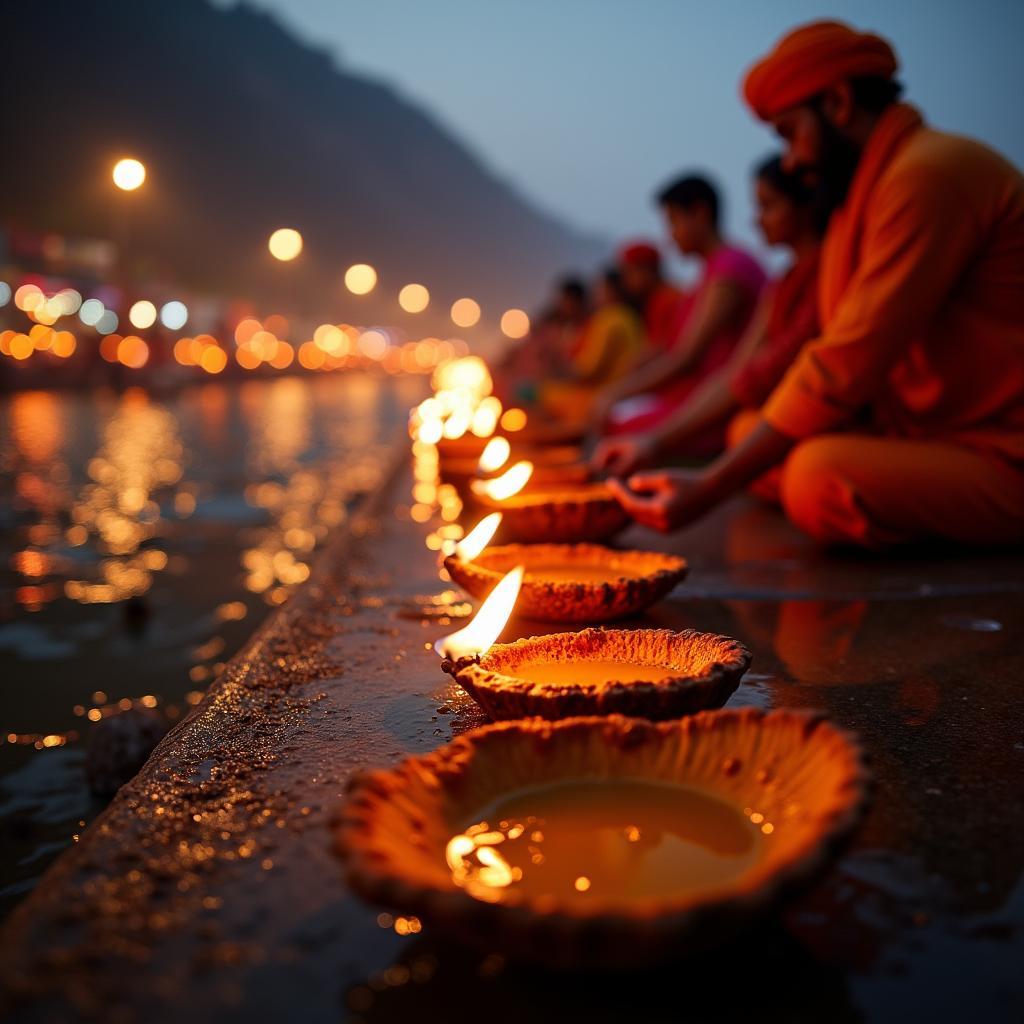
column 605, row 841
column 616, row 843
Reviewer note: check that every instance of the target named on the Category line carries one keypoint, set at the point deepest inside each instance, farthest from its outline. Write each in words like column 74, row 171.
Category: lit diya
column 553, row 512
column 605, row 842
column 554, row 465
column 650, row 673
column 567, row 582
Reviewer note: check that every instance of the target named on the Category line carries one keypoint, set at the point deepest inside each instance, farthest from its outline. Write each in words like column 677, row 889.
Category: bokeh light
column 107, row 323
column 91, row 311
column 414, row 298
column 132, row 352
column 5, row 293
column 28, row 297
column 360, row 279
column 373, row 344
column 64, row 344
column 465, row 312
column 515, row 323
column 129, row 174
column 142, row 314
column 174, row 315
column 213, row 359
column 513, row 420
column 285, row 244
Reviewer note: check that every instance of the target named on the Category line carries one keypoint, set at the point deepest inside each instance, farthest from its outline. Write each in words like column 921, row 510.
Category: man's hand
column 619, row 456
column 665, row 500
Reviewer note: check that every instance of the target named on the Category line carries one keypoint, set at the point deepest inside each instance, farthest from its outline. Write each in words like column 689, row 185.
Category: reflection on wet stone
column 186, row 516
column 217, row 855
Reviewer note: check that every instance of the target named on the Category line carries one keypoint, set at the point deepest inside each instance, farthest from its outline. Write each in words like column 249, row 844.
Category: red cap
column 640, row 254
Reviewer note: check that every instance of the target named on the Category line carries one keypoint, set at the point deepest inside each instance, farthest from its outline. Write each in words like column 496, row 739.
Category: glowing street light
column 142, row 314
column 360, row 278
column 285, row 244
column 465, row 312
column 129, row 174
column 515, row 324
column 414, row 298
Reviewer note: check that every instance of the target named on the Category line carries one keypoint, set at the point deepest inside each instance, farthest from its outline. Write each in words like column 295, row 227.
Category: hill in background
column 244, row 129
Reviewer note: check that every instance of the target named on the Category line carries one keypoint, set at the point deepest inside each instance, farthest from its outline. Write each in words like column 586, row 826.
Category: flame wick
column 511, row 482
column 495, row 455
column 478, row 538
column 489, row 621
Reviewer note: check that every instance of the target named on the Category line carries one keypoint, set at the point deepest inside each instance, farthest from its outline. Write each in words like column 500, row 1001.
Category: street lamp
column 129, row 174
column 285, row 244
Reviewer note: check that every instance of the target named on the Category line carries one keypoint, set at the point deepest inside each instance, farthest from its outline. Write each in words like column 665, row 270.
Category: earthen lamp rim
column 408, row 878
column 685, row 688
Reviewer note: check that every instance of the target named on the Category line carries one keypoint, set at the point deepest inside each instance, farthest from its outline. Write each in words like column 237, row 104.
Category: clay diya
column 550, row 465
column 555, row 513
column 572, row 582
column 605, row 842
column 649, row 673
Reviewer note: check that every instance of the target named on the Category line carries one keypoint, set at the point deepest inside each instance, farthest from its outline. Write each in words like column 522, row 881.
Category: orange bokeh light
column 213, row 359
column 515, row 323
column 108, row 347
column 311, row 356
column 283, row 357
column 132, row 352
column 246, row 329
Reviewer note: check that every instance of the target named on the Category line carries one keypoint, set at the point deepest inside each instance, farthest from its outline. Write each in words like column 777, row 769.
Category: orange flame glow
column 495, row 455
column 488, row 622
column 457, row 424
column 511, row 482
column 478, row 538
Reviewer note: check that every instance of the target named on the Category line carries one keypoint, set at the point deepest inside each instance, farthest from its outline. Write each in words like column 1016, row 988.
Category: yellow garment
column 608, row 347
column 611, row 340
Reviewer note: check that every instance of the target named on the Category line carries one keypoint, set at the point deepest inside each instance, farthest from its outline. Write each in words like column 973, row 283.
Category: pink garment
column 729, row 263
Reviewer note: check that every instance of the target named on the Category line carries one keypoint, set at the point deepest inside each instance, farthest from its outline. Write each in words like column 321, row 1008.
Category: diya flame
column 510, row 483
column 488, row 622
column 478, row 538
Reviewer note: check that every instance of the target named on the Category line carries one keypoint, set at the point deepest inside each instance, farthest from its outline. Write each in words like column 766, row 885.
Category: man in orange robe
column 904, row 420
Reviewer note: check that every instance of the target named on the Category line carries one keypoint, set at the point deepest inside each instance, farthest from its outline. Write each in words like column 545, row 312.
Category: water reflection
column 142, row 537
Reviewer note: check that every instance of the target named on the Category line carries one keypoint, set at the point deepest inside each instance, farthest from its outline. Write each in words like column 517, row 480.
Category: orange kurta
column 922, row 299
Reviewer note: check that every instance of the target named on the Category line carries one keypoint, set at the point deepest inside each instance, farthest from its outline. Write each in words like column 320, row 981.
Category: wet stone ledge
column 208, row 890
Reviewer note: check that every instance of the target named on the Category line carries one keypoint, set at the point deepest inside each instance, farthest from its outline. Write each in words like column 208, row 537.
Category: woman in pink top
column 711, row 321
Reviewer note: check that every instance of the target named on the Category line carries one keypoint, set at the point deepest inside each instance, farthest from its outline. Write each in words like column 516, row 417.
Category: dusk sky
column 588, row 105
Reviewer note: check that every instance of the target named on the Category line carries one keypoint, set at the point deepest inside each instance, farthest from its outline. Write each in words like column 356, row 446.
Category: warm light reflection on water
column 143, row 537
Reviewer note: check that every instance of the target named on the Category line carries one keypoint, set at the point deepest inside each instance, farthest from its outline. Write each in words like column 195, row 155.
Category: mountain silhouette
column 245, row 129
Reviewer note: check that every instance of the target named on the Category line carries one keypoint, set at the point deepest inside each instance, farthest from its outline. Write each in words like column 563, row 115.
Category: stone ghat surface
column 208, row 890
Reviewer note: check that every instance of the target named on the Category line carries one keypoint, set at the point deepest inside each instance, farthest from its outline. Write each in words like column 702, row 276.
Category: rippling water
column 143, row 539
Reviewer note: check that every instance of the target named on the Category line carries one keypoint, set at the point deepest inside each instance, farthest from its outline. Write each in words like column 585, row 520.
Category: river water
column 143, row 538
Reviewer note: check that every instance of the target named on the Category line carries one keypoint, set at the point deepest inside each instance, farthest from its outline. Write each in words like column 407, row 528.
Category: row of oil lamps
column 611, row 815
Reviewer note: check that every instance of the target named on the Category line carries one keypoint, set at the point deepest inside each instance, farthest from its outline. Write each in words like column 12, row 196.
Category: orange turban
column 812, row 58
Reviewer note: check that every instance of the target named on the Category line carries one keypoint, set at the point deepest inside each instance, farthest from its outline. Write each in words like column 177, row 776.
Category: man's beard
column 834, row 172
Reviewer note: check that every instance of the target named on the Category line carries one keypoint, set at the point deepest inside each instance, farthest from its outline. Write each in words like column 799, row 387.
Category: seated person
column 711, row 320
column 606, row 347
column 789, row 214
column 644, row 285
column 544, row 352
column 903, row 420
